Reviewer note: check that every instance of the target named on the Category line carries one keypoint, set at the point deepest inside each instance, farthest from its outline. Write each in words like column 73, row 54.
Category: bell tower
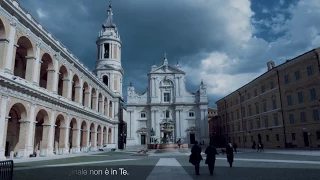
column 108, row 65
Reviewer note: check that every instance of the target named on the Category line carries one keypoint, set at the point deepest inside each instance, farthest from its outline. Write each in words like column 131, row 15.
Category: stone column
column 101, row 104
column 177, row 125
column 3, row 126
column 63, row 140
column 115, row 134
column 69, row 85
column 152, row 87
column 78, row 94
column 24, row 135
column 105, row 104
column 99, row 134
column 116, row 110
column 112, row 114
column 94, row 103
column 111, row 81
column 31, row 130
column 87, row 99
column 10, row 56
column 51, row 134
column 65, row 90
column 30, row 69
column 93, row 141
column 36, row 75
column 108, row 136
column 51, row 80
column 45, row 142
column 75, row 140
column 85, row 140
column 176, row 87
column 157, row 122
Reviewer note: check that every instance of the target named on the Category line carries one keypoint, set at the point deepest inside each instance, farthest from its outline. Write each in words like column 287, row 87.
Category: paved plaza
column 123, row 165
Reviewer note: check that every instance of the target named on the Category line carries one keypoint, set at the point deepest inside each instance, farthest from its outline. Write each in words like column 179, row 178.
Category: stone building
column 211, row 114
column 167, row 111
column 50, row 102
column 280, row 108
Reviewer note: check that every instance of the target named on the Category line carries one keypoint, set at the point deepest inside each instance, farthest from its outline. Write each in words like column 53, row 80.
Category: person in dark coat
column 229, row 152
column 211, row 152
column 195, row 157
column 235, row 146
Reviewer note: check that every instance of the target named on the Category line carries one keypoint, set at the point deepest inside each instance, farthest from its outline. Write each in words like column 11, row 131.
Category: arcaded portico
column 49, row 101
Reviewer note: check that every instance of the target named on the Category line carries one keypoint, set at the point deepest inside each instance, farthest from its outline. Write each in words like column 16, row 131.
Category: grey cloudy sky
column 224, row 42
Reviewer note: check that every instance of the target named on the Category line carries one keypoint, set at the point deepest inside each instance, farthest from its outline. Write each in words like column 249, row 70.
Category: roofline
column 287, row 61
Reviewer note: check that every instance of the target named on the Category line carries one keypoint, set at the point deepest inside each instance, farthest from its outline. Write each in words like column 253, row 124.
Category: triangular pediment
column 167, row 70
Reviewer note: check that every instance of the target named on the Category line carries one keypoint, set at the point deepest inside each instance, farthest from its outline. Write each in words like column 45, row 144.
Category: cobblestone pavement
column 247, row 166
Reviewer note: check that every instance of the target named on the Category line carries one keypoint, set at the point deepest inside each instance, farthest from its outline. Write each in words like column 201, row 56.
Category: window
column 276, row 121
column 238, row 126
column 227, row 117
column 318, row 135
column 242, row 98
column 239, row 139
column 315, row 114
column 271, row 85
column 244, row 125
column 143, row 115
column 289, row 100
column 249, row 96
column 266, row 122
column 245, row 139
column 232, row 127
column 255, row 92
column 303, row 116
column 300, row 97
column 237, row 101
column 267, row 137
column 238, row 114
column 232, row 117
column 274, row 104
column 262, row 89
column 277, row 137
column 191, row 114
column 167, row 114
column 243, row 112
column 231, row 104
column 293, row 136
column 309, row 69
column 257, row 108
column 249, row 110
column 286, row 79
column 166, row 97
column 265, row 106
column 251, row 124
column 297, row 74
column 251, row 138
column 291, row 118
column 258, row 124
column 313, row 94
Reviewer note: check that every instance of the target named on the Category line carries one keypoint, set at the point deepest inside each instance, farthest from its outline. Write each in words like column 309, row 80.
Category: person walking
column 211, row 152
column 195, row 157
column 235, row 146
column 179, row 143
column 259, row 147
column 229, row 152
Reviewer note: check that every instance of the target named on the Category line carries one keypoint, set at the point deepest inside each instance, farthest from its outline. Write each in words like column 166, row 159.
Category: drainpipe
column 283, row 121
column 241, row 119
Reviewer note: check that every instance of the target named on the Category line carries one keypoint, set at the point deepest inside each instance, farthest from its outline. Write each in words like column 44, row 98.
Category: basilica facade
column 167, row 112
column 50, row 102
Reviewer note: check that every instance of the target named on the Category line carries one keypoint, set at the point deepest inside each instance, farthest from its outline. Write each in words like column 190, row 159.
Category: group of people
column 211, row 152
column 260, row 146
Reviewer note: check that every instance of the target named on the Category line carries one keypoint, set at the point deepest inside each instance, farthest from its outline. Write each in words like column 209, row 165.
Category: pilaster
column 36, row 75
column 3, row 126
column 10, row 57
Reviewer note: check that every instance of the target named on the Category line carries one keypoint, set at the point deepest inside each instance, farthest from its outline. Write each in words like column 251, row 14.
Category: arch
column 85, row 94
column 45, row 75
column 75, row 88
column 20, row 65
column 63, row 81
column 3, row 44
column 14, row 138
column 109, row 135
column 60, row 133
column 105, row 80
column 42, row 130
column 92, row 135
column 73, row 133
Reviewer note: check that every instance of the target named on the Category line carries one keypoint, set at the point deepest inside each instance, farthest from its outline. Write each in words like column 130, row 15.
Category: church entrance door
column 143, row 139
column 192, row 138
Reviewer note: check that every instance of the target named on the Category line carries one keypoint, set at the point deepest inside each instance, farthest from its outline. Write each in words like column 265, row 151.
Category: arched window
column 105, row 80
